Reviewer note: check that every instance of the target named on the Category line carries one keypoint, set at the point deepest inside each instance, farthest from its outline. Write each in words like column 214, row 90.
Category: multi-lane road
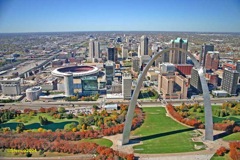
column 38, row 104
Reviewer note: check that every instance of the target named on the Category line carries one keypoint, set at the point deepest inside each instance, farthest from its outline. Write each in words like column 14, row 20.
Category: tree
column 20, row 127
column 43, row 120
column 28, row 154
column 70, row 126
column 69, row 116
column 61, row 110
column 95, row 107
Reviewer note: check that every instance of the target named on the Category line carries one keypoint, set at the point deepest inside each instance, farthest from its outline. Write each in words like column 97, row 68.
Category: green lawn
column 100, row 141
column 200, row 116
column 161, row 134
column 232, row 137
column 33, row 122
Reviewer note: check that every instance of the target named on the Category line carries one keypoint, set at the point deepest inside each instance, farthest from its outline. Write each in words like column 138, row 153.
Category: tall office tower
column 212, row 60
column 11, row 87
column 68, row 84
column 177, row 57
column 205, row 49
column 238, row 66
column 124, row 51
column 230, row 81
column 110, row 72
column 195, row 80
column 96, row 49
column 91, row 49
column 127, row 85
column 89, row 85
column 112, row 54
column 139, row 50
column 144, row 45
column 136, row 64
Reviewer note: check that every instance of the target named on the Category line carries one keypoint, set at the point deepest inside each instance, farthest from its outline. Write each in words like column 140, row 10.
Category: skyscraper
column 112, row 54
column 94, row 49
column 205, row 49
column 230, row 81
column 144, row 45
column 177, row 57
column 91, row 49
column 110, row 72
column 127, row 86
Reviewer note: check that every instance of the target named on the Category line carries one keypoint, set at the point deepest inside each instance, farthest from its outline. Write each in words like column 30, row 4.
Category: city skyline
column 63, row 16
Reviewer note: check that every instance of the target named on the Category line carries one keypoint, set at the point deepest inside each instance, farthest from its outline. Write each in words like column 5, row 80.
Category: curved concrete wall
column 206, row 96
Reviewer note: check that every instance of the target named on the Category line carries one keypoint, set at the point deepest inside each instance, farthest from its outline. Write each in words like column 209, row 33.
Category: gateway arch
column 206, row 96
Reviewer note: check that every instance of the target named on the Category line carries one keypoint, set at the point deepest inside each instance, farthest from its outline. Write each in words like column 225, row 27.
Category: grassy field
column 32, row 122
column 100, row 141
column 161, row 134
column 232, row 137
column 200, row 116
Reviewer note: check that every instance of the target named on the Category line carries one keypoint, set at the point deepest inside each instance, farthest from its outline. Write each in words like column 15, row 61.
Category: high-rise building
column 110, row 72
column 136, row 64
column 238, row 66
column 68, row 84
column 94, row 49
column 212, row 60
column 89, row 85
column 112, row 54
column 230, row 81
column 91, row 49
column 144, row 45
column 127, row 85
column 172, row 86
column 205, row 49
column 11, row 87
column 124, row 51
column 195, row 80
column 178, row 57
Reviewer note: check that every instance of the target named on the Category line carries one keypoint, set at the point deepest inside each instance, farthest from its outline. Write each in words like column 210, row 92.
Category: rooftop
column 179, row 39
column 35, row 88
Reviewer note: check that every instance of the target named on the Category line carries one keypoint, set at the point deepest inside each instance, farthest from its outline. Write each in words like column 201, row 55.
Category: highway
column 145, row 103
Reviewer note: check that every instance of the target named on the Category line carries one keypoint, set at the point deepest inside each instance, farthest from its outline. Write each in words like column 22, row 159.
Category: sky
column 122, row 15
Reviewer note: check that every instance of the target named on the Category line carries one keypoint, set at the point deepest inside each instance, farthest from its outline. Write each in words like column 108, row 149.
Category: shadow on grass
column 136, row 140
column 52, row 126
column 221, row 135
